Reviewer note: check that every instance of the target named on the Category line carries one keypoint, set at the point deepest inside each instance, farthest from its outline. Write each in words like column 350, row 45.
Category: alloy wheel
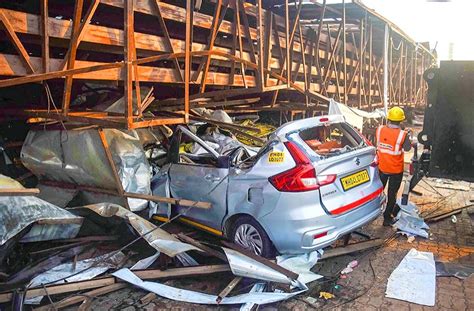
column 248, row 237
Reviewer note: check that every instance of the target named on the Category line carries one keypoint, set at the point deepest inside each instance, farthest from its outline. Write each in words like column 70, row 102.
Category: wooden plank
column 80, row 298
column 226, row 291
column 154, row 198
column 440, row 216
column 7, row 192
column 351, row 248
column 55, row 289
column 148, row 298
column 202, row 247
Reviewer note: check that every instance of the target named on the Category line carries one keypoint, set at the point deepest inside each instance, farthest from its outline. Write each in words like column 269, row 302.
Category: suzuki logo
column 357, row 161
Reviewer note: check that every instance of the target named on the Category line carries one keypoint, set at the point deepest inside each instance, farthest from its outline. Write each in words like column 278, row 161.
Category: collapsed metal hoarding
column 78, row 158
column 47, row 220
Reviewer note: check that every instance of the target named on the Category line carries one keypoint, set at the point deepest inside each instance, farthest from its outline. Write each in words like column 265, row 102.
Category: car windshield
column 332, row 139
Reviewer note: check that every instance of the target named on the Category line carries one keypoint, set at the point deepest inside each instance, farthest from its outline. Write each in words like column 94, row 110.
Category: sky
column 448, row 23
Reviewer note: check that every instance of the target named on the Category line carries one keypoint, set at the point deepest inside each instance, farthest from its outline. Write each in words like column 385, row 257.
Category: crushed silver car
column 314, row 181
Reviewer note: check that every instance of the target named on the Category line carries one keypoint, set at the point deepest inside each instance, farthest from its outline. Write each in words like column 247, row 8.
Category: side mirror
column 223, row 162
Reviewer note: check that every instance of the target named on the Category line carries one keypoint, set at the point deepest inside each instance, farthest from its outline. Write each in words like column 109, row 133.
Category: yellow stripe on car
column 192, row 223
column 201, row 226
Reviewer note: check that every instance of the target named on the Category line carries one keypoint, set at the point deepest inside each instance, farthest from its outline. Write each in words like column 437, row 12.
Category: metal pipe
column 385, row 69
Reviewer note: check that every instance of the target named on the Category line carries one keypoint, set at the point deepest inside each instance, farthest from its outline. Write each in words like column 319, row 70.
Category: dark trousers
column 394, row 182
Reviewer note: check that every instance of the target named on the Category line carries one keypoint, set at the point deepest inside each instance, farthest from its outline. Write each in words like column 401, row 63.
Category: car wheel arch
column 232, row 220
column 229, row 222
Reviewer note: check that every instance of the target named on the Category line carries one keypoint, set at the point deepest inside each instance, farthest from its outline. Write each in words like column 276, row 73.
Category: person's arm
column 407, row 142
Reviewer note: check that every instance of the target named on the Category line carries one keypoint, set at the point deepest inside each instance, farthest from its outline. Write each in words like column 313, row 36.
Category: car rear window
column 332, row 139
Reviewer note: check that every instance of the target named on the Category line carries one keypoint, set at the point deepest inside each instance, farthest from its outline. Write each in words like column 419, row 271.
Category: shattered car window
column 331, row 139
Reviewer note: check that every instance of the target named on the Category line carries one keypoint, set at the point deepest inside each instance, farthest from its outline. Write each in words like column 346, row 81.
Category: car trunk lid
column 356, row 182
column 344, row 165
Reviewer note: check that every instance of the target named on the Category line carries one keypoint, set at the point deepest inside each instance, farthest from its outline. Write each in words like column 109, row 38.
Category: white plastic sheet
column 414, row 279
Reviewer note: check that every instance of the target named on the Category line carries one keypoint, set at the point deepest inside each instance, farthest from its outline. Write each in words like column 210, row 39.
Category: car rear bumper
column 299, row 233
column 357, row 218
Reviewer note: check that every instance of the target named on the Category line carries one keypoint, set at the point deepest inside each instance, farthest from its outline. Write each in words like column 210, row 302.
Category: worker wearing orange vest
column 392, row 141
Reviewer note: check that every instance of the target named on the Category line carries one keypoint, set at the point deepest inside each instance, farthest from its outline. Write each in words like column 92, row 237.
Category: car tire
column 249, row 234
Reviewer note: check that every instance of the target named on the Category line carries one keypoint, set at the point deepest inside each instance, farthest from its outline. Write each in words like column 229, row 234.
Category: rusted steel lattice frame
column 301, row 50
column 129, row 47
column 406, row 67
column 68, row 70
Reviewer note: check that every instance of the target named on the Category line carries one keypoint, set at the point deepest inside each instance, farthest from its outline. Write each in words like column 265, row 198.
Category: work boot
column 388, row 222
column 396, row 209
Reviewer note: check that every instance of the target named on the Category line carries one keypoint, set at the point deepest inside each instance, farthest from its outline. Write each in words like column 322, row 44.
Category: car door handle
column 210, row 177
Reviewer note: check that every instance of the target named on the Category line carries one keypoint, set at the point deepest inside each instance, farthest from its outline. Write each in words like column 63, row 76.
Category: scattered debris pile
column 84, row 231
column 82, row 256
column 61, row 237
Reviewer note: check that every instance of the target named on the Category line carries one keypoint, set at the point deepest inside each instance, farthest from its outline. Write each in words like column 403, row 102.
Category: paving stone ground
column 363, row 289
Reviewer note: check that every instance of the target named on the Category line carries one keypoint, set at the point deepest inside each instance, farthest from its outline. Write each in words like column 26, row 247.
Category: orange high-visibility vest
column 390, row 149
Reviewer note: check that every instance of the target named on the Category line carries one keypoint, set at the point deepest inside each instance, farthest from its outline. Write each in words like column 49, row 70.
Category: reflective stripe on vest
column 397, row 149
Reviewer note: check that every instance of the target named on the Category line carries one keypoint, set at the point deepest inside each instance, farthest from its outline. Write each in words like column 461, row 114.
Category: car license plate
column 355, row 179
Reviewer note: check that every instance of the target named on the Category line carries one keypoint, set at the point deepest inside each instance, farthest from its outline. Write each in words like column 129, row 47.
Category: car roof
column 303, row 124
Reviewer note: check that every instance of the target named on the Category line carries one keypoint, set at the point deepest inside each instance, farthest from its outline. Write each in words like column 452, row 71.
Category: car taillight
column 300, row 178
column 375, row 163
column 320, row 235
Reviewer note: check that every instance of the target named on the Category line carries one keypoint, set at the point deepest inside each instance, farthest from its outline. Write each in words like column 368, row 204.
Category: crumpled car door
column 200, row 182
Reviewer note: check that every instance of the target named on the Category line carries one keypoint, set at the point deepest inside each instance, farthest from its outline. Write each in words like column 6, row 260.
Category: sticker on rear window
column 276, row 157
